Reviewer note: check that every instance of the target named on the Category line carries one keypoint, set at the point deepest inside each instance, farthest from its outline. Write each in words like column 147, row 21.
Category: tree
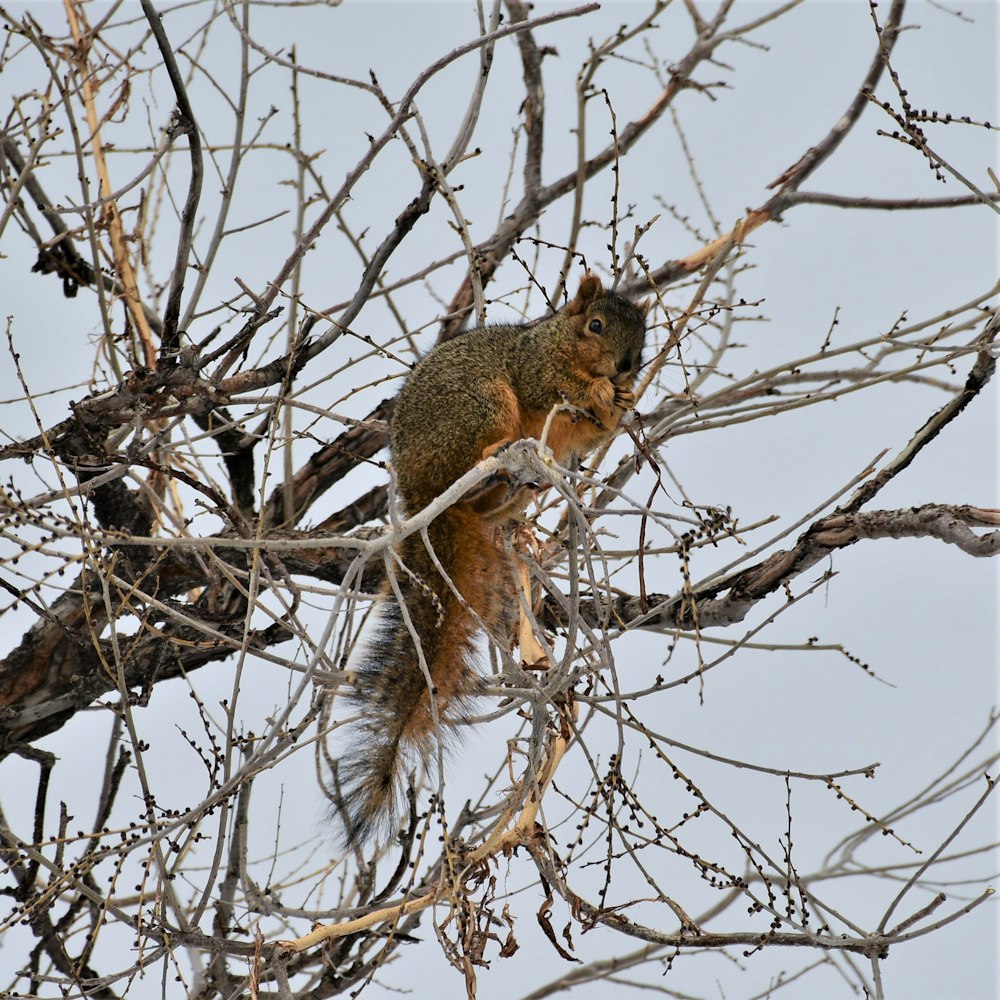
column 258, row 240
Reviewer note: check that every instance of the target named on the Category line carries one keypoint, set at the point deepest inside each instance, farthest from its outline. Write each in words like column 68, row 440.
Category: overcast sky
column 921, row 616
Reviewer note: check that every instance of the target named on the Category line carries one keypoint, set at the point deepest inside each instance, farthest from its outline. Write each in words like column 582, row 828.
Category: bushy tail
column 396, row 734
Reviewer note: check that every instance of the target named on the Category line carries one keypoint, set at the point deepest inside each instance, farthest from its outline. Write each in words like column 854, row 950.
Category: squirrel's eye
column 596, row 326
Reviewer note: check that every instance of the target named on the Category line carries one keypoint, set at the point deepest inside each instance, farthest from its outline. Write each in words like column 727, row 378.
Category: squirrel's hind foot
column 502, row 493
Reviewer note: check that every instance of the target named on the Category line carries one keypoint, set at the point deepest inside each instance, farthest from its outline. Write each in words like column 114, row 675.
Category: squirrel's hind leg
column 502, row 494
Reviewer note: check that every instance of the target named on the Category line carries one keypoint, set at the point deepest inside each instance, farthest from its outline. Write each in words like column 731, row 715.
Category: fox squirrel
column 466, row 400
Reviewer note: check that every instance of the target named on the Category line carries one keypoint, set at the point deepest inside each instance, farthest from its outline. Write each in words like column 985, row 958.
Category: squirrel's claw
column 624, row 398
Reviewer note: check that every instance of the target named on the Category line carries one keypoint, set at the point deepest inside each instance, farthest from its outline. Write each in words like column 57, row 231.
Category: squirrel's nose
column 625, row 364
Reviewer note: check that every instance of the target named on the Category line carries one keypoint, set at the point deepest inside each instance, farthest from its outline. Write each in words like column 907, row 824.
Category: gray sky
column 920, row 615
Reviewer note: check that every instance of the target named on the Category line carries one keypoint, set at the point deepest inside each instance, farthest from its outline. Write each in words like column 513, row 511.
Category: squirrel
column 464, row 401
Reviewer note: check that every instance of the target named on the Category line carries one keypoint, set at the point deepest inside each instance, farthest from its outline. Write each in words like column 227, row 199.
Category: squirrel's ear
column 589, row 290
column 644, row 306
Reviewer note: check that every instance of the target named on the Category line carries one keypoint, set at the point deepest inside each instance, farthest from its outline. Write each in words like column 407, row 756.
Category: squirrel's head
column 611, row 331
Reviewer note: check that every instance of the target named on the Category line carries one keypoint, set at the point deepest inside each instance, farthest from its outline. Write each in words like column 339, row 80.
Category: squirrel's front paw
column 624, row 398
column 603, row 393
